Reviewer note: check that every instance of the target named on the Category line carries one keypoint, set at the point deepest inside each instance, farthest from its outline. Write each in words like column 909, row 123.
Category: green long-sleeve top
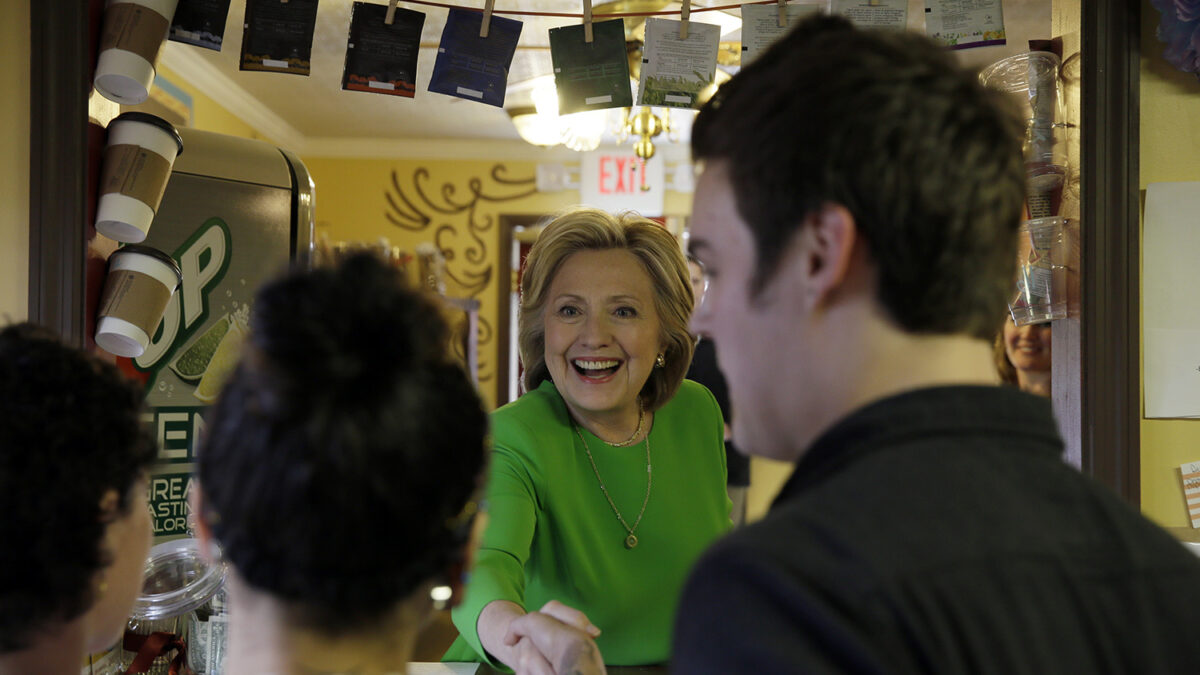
column 552, row 535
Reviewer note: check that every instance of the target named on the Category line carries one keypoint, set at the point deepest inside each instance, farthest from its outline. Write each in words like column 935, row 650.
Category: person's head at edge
column 341, row 457
column 76, row 527
column 616, row 252
column 1023, row 356
column 857, row 217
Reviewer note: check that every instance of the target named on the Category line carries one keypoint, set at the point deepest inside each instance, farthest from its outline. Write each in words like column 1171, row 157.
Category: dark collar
column 925, row 413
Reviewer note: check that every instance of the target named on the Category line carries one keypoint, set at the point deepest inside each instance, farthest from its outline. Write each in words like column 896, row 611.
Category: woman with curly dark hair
column 75, row 528
column 338, row 471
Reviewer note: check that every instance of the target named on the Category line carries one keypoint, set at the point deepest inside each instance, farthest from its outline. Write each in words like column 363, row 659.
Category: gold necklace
column 631, row 540
column 629, row 441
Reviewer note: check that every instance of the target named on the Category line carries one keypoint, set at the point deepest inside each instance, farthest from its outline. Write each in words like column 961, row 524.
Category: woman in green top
column 607, row 478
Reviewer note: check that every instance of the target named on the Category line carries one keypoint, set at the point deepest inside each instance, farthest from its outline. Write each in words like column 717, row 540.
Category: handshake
column 554, row 640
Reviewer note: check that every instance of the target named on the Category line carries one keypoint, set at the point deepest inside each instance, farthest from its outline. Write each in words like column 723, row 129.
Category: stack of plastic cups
column 1041, row 272
column 1034, row 77
column 1041, row 277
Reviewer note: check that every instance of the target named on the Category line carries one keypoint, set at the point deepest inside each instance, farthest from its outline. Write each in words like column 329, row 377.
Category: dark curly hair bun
column 344, row 444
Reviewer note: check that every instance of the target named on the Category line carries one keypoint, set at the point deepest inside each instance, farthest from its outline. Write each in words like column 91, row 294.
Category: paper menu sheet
column 1170, row 305
column 760, row 26
column 963, row 24
column 1190, row 474
column 674, row 71
column 874, row 13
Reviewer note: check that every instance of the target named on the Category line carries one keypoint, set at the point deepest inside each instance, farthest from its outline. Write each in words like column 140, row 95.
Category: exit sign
column 620, row 181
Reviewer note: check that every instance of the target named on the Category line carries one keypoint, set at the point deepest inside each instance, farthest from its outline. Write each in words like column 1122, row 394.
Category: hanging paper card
column 675, row 71
column 277, row 36
column 591, row 75
column 1190, row 473
column 874, row 13
column 382, row 59
column 760, row 26
column 200, row 23
column 963, row 24
column 472, row 67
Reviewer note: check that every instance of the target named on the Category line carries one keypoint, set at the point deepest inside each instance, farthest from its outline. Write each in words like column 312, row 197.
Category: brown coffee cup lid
column 150, row 251
column 147, row 118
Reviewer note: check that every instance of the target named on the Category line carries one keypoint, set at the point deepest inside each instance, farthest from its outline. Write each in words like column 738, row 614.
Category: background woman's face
column 603, row 332
column 1028, row 347
column 127, row 539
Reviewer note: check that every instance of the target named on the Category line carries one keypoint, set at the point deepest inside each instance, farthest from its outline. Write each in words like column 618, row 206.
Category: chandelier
column 540, row 124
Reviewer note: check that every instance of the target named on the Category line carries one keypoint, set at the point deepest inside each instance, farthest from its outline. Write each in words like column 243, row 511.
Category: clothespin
column 781, row 5
column 487, row 17
column 391, row 13
column 684, row 13
column 587, row 21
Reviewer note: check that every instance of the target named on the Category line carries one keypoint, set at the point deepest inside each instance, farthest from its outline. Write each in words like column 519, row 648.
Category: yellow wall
column 1170, row 151
column 209, row 115
column 14, row 160
column 352, row 198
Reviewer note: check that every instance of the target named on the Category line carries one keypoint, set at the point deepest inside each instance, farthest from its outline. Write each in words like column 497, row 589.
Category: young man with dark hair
column 857, row 217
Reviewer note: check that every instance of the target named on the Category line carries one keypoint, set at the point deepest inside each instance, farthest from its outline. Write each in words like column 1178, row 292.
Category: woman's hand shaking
column 556, row 640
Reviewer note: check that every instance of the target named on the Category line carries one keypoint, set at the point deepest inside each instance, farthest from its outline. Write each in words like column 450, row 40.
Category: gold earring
column 660, row 361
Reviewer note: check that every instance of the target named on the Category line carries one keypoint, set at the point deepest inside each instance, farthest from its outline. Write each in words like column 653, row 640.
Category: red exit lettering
column 621, row 174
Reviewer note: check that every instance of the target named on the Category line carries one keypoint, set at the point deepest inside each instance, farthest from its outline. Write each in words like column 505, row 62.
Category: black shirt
column 938, row 531
column 704, row 370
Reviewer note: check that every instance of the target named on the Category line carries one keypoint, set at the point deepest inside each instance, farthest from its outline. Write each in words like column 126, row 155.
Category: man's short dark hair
column 888, row 125
column 70, row 431
column 345, row 446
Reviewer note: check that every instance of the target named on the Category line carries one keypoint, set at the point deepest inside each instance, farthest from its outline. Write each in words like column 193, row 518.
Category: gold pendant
column 630, row 541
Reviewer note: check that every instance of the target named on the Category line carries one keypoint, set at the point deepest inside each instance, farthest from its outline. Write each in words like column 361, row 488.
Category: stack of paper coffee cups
column 134, row 30
column 137, row 163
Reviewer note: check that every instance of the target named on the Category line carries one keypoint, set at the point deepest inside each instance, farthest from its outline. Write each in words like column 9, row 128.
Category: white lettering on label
column 187, row 304
column 164, row 435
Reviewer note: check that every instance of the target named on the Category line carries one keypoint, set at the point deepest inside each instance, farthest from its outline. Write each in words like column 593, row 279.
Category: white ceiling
column 314, row 115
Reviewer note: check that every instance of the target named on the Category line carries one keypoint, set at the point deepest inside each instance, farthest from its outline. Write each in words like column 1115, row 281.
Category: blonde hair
column 1004, row 367
column 587, row 229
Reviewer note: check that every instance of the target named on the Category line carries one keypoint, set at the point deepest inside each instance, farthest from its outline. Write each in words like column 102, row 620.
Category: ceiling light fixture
column 583, row 131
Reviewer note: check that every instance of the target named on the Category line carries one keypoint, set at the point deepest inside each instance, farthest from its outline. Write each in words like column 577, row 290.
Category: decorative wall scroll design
column 459, row 221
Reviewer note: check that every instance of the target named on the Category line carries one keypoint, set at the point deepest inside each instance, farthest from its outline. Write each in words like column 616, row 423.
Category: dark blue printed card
column 200, row 23
column 472, row 67
column 381, row 58
column 277, row 36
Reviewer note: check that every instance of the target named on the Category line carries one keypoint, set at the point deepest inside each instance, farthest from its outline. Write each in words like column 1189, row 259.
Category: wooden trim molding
column 60, row 80
column 1110, row 424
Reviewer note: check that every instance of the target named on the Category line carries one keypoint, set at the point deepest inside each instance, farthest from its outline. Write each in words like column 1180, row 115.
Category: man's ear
column 827, row 241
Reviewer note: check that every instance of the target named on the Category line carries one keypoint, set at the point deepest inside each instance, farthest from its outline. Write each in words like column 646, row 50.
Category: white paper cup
column 137, row 164
column 134, row 30
column 139, row 285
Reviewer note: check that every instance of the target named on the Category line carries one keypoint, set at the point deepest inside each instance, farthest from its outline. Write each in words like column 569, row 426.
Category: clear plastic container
column 1032, row 73
column 1033, row 76
column 1041, row 272
column 182, row 595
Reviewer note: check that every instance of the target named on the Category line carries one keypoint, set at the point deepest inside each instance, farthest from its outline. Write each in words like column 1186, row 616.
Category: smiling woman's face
column 1028, row 347
column 602, row 332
